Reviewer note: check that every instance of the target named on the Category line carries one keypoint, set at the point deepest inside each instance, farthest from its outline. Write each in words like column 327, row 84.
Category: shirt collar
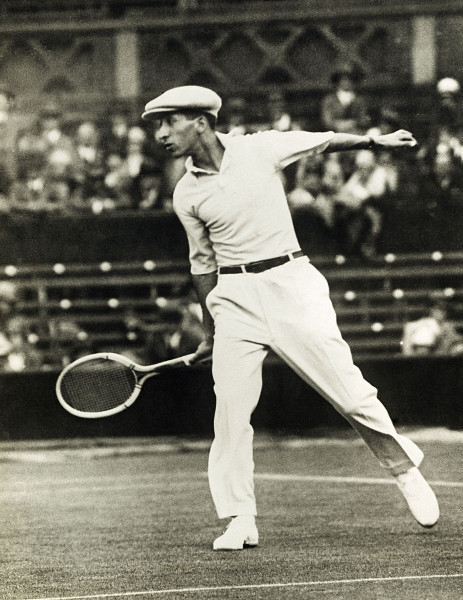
column 192, row 168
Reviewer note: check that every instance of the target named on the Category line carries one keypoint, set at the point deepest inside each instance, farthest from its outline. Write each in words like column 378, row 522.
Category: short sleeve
column 288, row 146
column 202, row 256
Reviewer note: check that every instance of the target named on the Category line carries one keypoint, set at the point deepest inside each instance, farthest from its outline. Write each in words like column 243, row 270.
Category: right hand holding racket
column 203, row 352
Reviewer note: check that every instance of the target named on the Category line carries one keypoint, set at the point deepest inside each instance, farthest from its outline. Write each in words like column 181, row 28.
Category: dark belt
column 260, row 265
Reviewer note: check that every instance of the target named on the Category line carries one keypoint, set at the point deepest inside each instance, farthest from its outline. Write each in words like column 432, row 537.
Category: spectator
column 432, row 334
column 344, row 109
column 17, row 353
column 388, row 121
column 448, row 106
column 115, row 132
column 281, row 119
column 442, row 187
column 68, row 341
column 189, row 333
column 117, row 183
column 236, row 116
column 30, row 192
column 89, row 168
column 319, row 183
column 446, row 133
column 144, row 171
column 360, row 206
column 8, row 135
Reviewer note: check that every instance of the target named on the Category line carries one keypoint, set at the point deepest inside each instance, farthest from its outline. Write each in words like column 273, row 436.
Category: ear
column 201, row 124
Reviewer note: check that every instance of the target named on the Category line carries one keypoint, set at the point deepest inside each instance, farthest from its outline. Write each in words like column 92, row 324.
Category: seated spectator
column 235, row 111
column 9, row 126
column 316, row 196
column 432, row 334
column 280, row 119
column 149, row 186
column 360, row 206
column 388, row 122
column 88, row 167
column 189, row 332
column 446, row 123
column 144, row 169
column 17, row 353
column 344, row 109
column 68, row 341
column 117, row 184
column 115, row 130
column 42, row 185
column 279, row 115
column 319, row 181
column 447, row 114
column 24, row 354
column 442, row 186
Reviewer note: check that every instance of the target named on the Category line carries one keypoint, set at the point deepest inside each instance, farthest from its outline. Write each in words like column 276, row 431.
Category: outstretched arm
column 347, row 141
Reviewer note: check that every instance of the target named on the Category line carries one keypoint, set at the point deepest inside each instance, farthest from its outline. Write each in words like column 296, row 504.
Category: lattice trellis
column 297, row 56
column 64, row 65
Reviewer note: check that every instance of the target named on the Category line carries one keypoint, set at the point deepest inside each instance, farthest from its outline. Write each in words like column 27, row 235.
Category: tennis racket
column 106, row 383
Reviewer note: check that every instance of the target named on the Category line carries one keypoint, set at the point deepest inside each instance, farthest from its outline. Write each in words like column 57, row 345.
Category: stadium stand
column 372, row 301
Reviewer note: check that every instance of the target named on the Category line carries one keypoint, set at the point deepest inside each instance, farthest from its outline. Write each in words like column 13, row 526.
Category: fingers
column 406, row 137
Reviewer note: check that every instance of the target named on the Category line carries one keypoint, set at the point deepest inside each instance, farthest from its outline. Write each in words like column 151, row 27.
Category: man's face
column 177, row 133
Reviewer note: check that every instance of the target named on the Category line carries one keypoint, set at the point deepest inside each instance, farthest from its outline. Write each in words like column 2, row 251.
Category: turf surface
column 85, row 524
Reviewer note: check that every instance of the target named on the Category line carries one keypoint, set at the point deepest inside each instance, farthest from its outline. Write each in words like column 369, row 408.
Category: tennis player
column 259, row 292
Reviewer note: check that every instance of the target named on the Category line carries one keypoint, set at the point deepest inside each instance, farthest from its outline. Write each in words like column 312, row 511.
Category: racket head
column 98, row 385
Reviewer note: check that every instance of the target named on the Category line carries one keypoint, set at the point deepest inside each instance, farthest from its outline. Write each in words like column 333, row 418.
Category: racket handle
column 175, row 362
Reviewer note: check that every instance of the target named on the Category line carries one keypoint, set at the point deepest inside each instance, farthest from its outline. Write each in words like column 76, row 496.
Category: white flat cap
column 186, row 97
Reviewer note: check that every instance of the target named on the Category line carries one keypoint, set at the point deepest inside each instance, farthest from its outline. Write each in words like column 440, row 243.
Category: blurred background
column 92, row 257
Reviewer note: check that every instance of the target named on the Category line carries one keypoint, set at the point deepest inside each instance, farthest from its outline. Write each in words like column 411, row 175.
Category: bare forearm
column 204, row 284
column 348, row 141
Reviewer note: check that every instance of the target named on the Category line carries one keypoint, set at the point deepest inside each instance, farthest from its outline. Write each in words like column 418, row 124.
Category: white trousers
column 287, row 309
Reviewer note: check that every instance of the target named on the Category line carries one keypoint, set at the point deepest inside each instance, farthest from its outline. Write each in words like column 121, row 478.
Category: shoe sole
column 249, row 543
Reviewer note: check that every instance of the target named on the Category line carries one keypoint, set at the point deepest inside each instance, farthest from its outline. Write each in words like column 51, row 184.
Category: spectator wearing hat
column 446, row 123
column 343, row 109
column 235, row 116
column 281, row 119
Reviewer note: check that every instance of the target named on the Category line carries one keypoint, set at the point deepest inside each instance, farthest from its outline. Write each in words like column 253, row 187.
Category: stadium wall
column 416, row 391
column 88, row 59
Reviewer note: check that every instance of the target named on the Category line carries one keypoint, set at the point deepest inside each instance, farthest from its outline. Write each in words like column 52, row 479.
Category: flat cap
column 186, row 97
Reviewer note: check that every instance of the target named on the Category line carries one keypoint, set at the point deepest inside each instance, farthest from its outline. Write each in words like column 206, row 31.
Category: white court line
column 257, row 586
column 26, row 490
column 340, row 479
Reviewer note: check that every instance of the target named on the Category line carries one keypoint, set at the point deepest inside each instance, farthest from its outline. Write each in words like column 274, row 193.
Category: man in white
column 259, row 292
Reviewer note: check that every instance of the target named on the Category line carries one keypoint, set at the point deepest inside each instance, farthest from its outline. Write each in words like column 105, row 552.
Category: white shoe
column 240, row 532
column 420, row 498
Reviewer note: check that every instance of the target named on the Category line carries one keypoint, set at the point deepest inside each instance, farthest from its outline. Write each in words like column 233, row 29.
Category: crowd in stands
column 113, row 164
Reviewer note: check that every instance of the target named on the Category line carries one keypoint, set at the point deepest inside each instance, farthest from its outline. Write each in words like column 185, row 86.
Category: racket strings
column 98, row 385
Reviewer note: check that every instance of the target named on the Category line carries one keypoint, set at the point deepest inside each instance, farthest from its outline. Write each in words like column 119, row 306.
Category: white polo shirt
column 240, row 214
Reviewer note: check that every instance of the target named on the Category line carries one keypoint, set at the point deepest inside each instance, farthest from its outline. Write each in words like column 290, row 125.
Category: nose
column 162, row 132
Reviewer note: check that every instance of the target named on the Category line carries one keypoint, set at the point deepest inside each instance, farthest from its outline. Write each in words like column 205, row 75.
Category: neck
column 209, row 153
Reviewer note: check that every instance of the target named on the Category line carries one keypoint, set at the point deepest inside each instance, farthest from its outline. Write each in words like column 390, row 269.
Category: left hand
column 399, row 139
